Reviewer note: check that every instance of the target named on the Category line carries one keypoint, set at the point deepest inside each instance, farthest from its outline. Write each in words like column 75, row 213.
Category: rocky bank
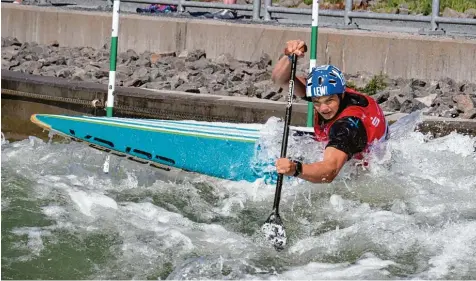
column 194, row 72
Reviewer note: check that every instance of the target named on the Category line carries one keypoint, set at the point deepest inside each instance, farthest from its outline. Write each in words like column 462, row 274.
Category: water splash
column 409, row 216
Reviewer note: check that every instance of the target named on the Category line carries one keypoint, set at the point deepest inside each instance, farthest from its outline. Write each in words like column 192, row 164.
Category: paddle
column 273, row 228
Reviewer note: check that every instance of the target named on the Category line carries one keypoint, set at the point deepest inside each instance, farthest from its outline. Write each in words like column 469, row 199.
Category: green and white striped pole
column 112, row 58
column 313, row 55
column 112, row 68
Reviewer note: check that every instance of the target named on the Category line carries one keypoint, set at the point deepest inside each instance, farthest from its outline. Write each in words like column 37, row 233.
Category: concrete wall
column 398, row 55
column 25, row 94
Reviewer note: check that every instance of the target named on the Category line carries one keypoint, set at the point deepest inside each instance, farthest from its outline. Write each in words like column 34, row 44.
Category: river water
column 411, row 215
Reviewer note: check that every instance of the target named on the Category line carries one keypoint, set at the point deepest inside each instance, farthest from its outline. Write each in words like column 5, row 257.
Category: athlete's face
column 327, row 106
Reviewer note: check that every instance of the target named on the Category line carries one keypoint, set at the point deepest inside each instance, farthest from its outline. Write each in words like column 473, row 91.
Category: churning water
column 411, row 215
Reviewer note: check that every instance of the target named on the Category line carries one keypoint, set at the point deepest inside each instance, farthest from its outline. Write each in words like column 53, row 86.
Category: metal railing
column 347, row 14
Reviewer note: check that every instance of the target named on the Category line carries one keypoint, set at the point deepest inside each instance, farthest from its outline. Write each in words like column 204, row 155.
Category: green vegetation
column 309, row 2
column 424, row 6
column 377, row 83
column 415, row 6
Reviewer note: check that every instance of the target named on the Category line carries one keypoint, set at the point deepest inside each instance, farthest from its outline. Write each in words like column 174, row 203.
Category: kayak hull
column 226, row 151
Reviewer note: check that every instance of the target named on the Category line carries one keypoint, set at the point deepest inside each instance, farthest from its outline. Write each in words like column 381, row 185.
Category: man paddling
column 347, row 120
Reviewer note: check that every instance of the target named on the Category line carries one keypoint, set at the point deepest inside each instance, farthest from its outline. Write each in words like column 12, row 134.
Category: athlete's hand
column 285, row 166
column 297, row 47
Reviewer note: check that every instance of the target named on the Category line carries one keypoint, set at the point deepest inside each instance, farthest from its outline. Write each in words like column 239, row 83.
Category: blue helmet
column 325, row 80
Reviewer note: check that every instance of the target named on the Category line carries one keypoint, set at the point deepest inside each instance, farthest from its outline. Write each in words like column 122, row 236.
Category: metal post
column 256, row 9
column 180, row 6
column 267, row 15
column 313, row 54
column 435, row 12
column 348, row 9
column 113, row 57
column 112, row 68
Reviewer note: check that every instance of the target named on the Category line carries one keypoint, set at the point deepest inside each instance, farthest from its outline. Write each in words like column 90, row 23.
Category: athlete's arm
column 281, row 74
column 347, row 137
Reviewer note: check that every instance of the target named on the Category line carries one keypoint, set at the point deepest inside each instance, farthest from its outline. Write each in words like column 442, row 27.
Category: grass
column 377, row 83
column 309, row 2
column 424, row 6
column 415, row 6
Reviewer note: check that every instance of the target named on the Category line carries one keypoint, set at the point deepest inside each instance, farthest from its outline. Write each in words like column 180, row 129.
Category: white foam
column 413, row 209
column 34, row 243
column 87, row 201
column 366, row 268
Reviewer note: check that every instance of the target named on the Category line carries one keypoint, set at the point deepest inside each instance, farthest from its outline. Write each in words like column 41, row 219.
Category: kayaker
column 347, row 120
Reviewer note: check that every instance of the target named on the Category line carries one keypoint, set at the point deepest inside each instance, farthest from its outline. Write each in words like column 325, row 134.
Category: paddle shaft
column 287, row 121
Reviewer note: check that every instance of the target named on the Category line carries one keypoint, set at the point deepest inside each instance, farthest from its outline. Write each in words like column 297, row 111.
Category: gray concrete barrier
column 24, row 95
column 398, row 55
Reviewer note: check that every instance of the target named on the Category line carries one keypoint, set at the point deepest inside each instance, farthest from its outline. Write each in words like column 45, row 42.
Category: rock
column 446, row 85
column 468, row 88
column 264, row 61
column 153, row 74
column 79, row 74
column 470, row 13
column 450, row 13
column 224, row 59
column 270, row 92
column 176, row 81
column 34, row 66
column 247, row 89
column 142, row 62
column 100, row 73
column 382, row 96
column 289, row 3
column 156, row 57
column 5, row 64
column 417, row 83
column 87, row 52
column 64, row 73
column 183, row 54
column 471, row 114
column 409, row 106
column 10, row 52
column 403, row 9
column 440, row 111
column 162, row 85
column 236, row 76
column 463, row 102
column 406, row 92
column 443, row 100
column 51, row 70
column 124, row 69
column 128, row 56
column 198, row 64
column 54, row 43
column 427, row 100
column 10, row 41
column 134, row 82
column 142, row 74
column 32, row 57
column 392, row 104
column 39, row 50
column 195, row 55
column 452, row 113
column 303, row 5
column 189, row 88
column 359, row 79
column 224, row 75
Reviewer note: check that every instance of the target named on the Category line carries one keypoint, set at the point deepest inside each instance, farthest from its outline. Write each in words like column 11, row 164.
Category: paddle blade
column 274, row 231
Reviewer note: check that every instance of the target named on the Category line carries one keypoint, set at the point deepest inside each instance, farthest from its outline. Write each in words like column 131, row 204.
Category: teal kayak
column 222, row 150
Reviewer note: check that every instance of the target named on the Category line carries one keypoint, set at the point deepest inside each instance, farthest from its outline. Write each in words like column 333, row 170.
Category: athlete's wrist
column 297, row 168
